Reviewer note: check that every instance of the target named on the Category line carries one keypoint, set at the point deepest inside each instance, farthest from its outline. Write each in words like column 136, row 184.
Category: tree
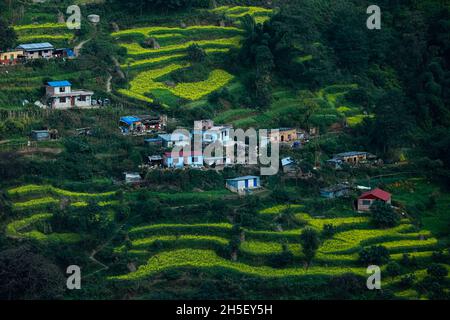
column 437, row 271
column 383, row 216
column 374, row 255
column 7, row 36
column 28, row 275
column 196, row 53
column 309, row 239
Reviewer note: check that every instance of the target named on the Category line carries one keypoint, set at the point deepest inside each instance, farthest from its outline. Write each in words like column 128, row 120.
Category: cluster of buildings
column 363, row 202
column 352, row 158
column 31, row 51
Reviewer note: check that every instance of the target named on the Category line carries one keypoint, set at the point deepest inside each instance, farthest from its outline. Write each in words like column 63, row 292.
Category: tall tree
column 7, row 35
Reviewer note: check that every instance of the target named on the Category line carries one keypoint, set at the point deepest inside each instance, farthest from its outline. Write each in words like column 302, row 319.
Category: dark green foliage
column 309, row 239
column 383, row 216
column 347, row 285
column 196, row 53
column 328, row 230
column 28, row 275
column 377, row 255
column 393, row 269
column 7, row 36
column 437, row 271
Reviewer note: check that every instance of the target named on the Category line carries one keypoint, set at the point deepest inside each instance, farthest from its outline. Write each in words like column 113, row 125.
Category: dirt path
column 108, row 83
column 79, row 47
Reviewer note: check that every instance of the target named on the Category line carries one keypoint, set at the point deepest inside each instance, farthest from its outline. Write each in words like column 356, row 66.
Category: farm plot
column 200, row 246
column 29, row 201
column 147, row 65
column 258, row 13
column 55, row 33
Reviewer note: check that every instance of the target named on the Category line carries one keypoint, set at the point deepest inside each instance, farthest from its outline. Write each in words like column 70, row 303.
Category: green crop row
column 195, row 258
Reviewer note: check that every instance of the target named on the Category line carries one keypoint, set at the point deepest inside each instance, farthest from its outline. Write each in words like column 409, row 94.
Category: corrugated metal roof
column 130, row 119
column 377, row 193
column 63, row 83
column 36, row 46
column 243, row 178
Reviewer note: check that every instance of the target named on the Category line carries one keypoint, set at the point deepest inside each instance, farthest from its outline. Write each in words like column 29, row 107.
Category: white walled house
column 243, row 185
column 37, row 50
column 60, row 96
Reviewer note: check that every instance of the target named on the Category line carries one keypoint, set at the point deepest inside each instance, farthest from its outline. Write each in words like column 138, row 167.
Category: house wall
column 10, row 58
column 365, row 206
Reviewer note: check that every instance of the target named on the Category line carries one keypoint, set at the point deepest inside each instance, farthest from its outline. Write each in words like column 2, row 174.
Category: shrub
column 328, row 230
column 437, row 271
column 196, row 53
column 393, row 269
column 383, row 216
column 407, row 280
column 374, row 255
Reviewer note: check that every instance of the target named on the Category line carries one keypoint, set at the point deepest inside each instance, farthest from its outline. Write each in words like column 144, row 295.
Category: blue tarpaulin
column 130, row 120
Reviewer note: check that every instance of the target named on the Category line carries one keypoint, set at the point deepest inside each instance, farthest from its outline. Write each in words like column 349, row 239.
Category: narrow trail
column 108, row 83
column 79, row 47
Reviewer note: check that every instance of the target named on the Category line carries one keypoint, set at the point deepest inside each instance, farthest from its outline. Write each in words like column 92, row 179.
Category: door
column 72, row 101
column 246, row 184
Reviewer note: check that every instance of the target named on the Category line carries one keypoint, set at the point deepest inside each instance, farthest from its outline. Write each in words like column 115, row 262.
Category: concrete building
column 243, row 185
column 37, row 50
column 60, row 96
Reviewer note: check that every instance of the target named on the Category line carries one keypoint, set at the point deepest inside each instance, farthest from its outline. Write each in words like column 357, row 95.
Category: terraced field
column 161, row 247
column 146, row 65
column 56, row 33
column 330, row 102
column 32, row 202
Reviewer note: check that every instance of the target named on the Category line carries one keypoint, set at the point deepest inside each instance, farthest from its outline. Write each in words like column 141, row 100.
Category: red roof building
column 367, row 198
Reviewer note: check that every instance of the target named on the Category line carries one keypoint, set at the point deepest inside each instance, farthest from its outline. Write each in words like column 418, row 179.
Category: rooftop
column 63, row 83
column 130, row 119
column 377, row 193
column 350, row 154
column 243, row 178
column 36, row 46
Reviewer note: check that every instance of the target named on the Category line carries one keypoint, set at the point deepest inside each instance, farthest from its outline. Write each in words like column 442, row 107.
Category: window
column 82, row 98
column 195, row 159
column 366, row 202
column 62, row 100
column 62, row 89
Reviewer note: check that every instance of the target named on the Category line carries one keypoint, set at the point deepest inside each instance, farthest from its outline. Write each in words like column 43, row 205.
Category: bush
column 393, row 269
column 374, row 255
column 383, row 216
column 407, row 281
column 328, row 230
column 437, row 271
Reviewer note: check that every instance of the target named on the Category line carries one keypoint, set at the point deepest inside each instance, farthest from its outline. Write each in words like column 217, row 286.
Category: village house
column 288, row 164
column 40, row 135
column 283, row 135
column 155, row 161
column 193, row 159
column 212, row 133
column 132, row 177
column 174, row 139
column 142, row 124
column 351, row 158
column 336, row 191
column 369, row 197
column 44, row 135
column 37, row 50
column 10, row 58
column 60, row 96
column 243, row 185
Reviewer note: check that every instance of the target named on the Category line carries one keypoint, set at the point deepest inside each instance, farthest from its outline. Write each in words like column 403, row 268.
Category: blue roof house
column 243, row 185
column 37, row 50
